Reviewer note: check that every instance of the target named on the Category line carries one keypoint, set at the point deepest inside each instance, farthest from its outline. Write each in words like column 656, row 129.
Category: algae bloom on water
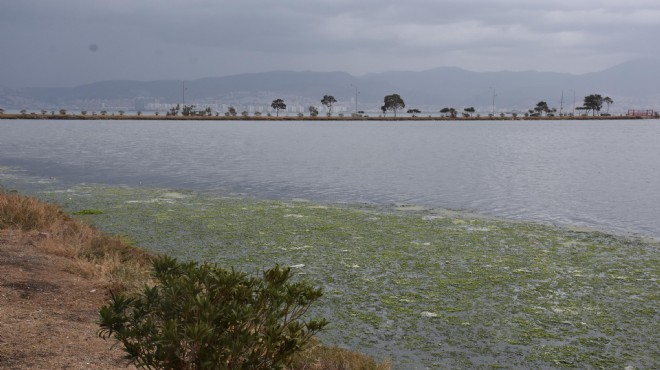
column 423, row 289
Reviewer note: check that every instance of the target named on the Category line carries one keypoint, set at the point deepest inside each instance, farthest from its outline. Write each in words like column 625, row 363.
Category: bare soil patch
column 48, row 312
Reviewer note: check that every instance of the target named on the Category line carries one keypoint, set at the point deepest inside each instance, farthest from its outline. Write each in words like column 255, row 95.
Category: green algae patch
column 423, row 287
column 85, row 212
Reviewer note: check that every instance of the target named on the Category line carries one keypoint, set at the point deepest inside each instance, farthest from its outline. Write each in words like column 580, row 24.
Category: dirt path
column 47, row 313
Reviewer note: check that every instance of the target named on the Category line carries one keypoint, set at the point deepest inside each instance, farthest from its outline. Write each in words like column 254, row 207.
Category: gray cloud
column 47, row 42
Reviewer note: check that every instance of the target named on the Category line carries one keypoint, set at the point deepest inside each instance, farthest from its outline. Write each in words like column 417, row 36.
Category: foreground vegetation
column 423, row 287
column 206, row 317
column 126, row 269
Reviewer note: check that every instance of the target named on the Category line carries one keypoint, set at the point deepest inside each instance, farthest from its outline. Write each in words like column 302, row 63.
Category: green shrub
column 205, row 317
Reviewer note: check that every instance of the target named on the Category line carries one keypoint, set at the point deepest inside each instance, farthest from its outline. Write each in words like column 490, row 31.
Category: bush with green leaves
column 200, row 316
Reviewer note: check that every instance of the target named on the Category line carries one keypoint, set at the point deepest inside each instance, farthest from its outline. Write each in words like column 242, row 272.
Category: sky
column 73, row 42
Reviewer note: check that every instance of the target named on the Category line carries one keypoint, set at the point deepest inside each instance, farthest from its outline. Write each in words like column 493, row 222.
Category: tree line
column 391, row 103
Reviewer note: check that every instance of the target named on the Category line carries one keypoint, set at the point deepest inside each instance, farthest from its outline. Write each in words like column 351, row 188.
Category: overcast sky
column 71, row 42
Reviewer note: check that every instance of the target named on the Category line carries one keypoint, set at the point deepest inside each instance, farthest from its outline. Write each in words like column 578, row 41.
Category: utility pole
column 494, row 95
column 183, row 93
column 356, row 100
column 573, row 102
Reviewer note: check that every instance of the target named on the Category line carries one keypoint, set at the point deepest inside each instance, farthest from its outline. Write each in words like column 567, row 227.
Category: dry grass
column 319, row 357
column 91, row 252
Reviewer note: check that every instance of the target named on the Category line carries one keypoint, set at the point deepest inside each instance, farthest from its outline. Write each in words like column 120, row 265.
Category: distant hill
column 632, row 85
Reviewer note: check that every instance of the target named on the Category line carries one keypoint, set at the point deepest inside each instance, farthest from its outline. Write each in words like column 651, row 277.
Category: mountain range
column 632, row 85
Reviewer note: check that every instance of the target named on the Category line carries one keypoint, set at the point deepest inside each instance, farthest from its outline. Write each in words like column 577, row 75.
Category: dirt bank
column 48, row 313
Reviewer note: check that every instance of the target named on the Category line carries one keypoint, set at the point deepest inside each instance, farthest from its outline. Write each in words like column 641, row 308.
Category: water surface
column 602, row 174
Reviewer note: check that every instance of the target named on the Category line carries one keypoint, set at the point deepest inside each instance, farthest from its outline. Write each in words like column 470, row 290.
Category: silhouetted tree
column 328, row 101
column 187, row 110
column 414, row 112
column 583, row 109
column 394, row 102
column 607, row 100
column 593, row 102
column 232, row 111
column 313, row 112
column 278, row 104
column 448, row 111
column 469, row 111
column 540, row 108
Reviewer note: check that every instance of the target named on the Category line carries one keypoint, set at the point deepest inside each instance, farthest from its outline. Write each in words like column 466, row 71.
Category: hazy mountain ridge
column 633, row 84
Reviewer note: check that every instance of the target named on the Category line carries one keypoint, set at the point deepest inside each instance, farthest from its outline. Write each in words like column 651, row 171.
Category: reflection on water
column 595, row 174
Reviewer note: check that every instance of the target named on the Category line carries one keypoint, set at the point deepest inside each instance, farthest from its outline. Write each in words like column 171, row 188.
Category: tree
column 394, row 102
column 469, row 111
column 2, row 111
column 278, row 104
column 541, row 107
column 593, row 102
column 83, row 112
column 245, row 113
column 205, row 317
column 607, row 100
column 62, row 111
column 448, row 111
column 313, row 112
column 187, row 110
column 328, row 101
column 232, row 111
column 414, row 112
column 583, row 109
column 384, row 109
column 121, row 112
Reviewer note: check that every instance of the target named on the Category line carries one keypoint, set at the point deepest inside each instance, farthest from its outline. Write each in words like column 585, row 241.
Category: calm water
column 604, row 175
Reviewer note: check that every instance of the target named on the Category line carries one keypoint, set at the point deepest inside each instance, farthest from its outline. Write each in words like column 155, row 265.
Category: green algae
column 422, row 287
column 84, row 212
